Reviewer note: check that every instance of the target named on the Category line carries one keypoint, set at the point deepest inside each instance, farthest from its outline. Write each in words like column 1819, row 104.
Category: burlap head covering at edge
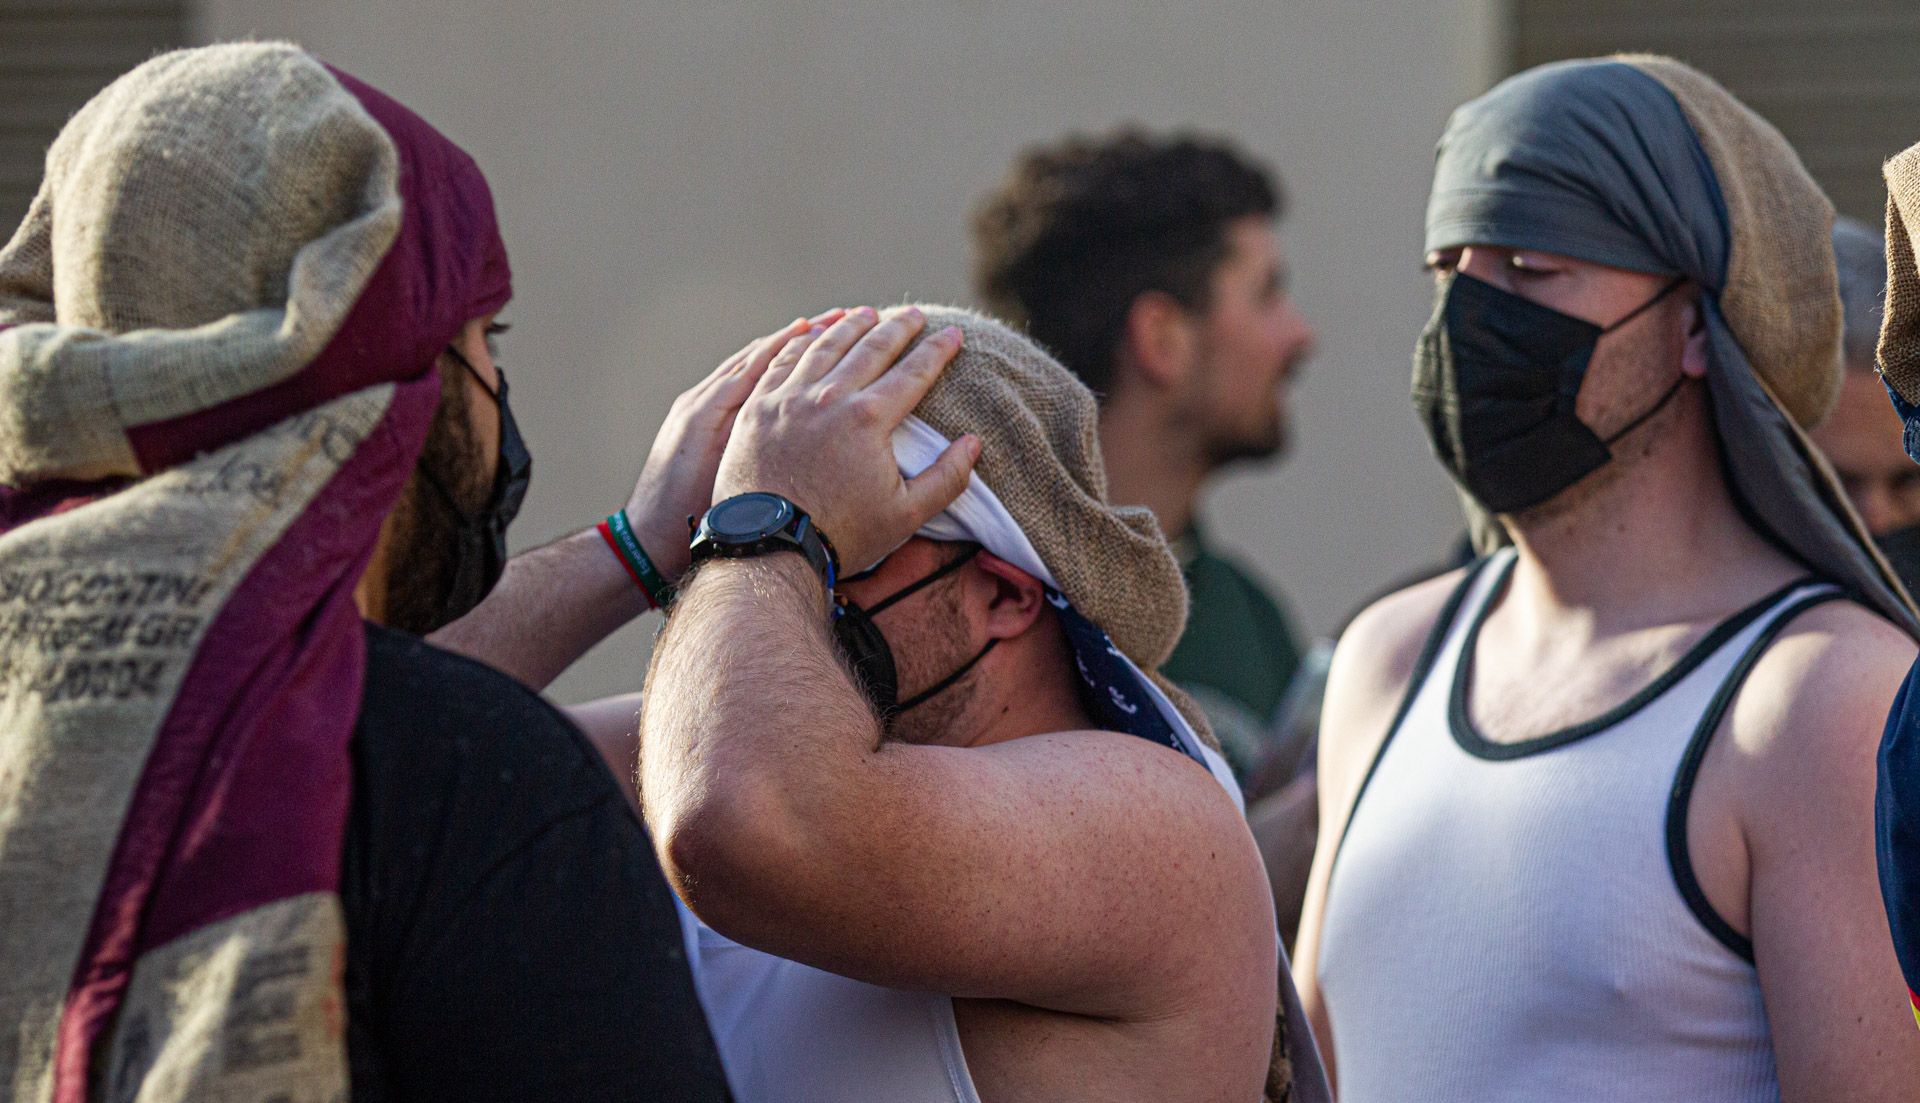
column 1899, row 352
column 280, row 247
column 1782, row 301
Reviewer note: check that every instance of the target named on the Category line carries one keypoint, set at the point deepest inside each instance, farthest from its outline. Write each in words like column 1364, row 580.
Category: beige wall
column 674, row 179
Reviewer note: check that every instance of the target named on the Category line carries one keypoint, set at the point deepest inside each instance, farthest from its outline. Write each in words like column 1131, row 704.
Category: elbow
column 729, row 852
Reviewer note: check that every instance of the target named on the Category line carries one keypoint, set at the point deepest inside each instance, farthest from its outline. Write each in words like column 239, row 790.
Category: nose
column 1486, row 265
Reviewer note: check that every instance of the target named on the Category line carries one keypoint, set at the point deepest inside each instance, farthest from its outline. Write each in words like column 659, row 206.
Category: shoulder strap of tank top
column 1422, row 668
column 1801, row 597
column 1709, row 645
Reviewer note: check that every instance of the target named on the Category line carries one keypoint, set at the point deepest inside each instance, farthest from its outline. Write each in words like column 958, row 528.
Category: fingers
column 935, row 488
column 751, row 362
column 761, row 354
column 787, row 358
column 898, row 391
column 876, row 352
column 742, row 362
column 771, row 345
column 834, row 344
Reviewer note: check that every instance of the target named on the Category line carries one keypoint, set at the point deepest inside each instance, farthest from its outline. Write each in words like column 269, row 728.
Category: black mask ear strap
column 1651, row 410
column 1671, row 391
column 945, row 683
column 495, row 393
column 959, row 561
column 1672, row 285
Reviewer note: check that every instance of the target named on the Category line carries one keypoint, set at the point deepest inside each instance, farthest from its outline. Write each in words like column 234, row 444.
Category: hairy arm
column 1012, row 871
column 1807, row 728
column 1371, row 669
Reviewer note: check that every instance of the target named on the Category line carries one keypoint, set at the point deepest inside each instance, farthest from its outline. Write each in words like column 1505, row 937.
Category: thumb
column 934, row 489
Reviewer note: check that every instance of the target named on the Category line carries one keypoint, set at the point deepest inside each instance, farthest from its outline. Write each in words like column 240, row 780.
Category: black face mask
column 1902, row 549
column 1494, row 381
column 872, row 659
column 479, row 542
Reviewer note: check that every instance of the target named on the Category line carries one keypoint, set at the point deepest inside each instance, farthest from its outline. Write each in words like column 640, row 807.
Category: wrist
column 590, row 588
column 777, row 573
column 642, row 572
column 664, row 534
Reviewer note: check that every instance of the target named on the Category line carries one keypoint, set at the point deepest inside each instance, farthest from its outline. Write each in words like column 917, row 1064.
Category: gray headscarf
column 1644, row 164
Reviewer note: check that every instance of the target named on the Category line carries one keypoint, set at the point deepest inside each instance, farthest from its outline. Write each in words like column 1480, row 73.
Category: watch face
column 749, row 517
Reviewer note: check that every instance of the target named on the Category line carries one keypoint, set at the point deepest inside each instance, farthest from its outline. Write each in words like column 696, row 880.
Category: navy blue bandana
column 1115, row 694
column 1910, row 418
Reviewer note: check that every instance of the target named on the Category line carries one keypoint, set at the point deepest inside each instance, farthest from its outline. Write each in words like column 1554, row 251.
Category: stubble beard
column 945, row 718
column 424, row 524
column 1270, row 443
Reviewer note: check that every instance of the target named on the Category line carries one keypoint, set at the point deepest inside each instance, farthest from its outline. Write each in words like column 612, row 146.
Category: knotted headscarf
column 219, row 325
column 1643, row 163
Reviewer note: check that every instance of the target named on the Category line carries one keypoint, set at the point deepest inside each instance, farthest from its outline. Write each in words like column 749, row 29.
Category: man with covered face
column 257, row 839
column 943, row 832
column 1598, row 808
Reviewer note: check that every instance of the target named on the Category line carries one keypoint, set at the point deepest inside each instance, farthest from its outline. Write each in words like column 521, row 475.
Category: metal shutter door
column 54, row 55
column 1841, row 79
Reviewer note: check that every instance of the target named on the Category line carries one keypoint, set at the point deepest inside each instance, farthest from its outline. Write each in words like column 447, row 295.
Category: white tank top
column 790, row 1033
column 1521, row 921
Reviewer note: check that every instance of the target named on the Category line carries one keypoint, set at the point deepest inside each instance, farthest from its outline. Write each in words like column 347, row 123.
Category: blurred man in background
column 1149, row 265
column 1862, row 436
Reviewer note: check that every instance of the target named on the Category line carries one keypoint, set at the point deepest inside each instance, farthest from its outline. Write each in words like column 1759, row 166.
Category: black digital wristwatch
column 759, row 523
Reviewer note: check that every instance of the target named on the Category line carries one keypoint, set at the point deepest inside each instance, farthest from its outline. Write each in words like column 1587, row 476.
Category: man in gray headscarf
column 1599, row 807
column 1861, row 438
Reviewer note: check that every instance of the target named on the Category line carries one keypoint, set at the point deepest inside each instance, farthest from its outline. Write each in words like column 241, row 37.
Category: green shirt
column 1238, row 653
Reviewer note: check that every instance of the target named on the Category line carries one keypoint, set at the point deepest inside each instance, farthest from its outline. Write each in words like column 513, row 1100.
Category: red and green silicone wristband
column 617, row 531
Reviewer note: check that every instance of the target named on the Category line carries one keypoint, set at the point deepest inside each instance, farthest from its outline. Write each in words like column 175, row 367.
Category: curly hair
column 1079, row 229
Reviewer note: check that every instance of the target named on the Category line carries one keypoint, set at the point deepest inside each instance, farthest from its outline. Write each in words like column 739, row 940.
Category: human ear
column 1016, row 598
column 1693, row 353
column 1161, row 340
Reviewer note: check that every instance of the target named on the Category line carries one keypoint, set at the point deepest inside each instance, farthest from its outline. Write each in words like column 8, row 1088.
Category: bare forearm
column 751, row 724
column 551, row 606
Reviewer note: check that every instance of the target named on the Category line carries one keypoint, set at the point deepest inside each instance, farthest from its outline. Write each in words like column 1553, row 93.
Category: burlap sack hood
column 1040, row 428
column 1590, row 159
